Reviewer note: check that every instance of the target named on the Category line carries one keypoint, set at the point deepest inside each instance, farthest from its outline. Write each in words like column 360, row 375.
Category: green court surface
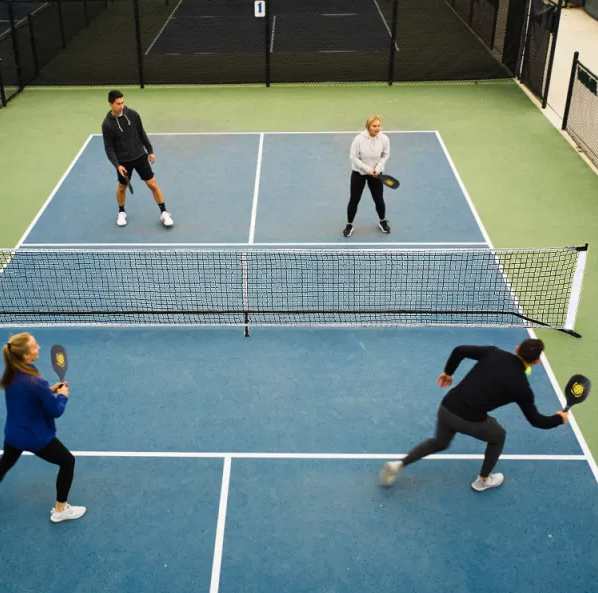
column 530, row 187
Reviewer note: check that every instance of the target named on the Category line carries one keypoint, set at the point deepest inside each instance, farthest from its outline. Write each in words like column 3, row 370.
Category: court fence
column 580, row 119
column 540, row 47
column 150, row 42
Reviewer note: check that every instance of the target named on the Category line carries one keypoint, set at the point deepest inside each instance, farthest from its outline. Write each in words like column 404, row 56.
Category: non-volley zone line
column 314, row 456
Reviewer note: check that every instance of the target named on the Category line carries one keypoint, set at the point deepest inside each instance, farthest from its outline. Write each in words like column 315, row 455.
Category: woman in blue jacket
column 31, row 406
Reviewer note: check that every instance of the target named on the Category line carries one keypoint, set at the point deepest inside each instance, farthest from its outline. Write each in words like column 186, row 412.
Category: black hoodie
column 125, row 139
column 496, row 380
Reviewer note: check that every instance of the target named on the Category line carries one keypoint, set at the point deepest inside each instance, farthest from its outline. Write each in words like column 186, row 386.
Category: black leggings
column 54, row 452
column 449, row 424
column 358, row 182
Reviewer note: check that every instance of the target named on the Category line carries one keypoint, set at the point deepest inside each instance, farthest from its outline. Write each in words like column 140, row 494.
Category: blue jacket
column 30, row 411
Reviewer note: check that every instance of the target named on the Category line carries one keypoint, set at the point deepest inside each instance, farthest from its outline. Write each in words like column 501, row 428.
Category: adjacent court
column 322, row 27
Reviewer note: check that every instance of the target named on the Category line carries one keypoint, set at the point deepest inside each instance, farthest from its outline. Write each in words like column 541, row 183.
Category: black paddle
column 59, row 361
column 389, row 181
column 577, row 390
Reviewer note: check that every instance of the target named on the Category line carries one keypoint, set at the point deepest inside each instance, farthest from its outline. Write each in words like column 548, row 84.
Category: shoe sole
column 385, row 232
column 346, row 236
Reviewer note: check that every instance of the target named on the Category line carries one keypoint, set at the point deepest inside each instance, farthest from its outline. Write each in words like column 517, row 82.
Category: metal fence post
column 15, row 45
column 139, row 46
column 2, row 92
column 268, row 5
column 33, row 45
column 570, row 90
column 393, row 42
column 552, row 52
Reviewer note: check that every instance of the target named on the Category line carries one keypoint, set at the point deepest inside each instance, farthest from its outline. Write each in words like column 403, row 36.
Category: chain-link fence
column 540, row 45
column 580, row 119
column 140, row 42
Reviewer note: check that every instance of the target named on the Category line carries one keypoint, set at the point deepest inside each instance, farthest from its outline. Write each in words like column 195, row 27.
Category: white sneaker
column 389, row 472
column 122, row 219
column 493, row 481
column 68, row 513
column 166, row 219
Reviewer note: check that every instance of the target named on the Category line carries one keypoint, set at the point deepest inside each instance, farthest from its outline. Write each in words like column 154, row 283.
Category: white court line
column 219, row 544
column 365, row 456
column 163, row 27
column 555, row 385
column 250, row 243
column 280, row 133
column 338, row 14
column 47, row 202
column 272, row 36
column 256, row 189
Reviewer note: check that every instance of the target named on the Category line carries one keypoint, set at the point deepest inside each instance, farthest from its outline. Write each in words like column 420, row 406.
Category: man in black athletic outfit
column 129, row 149
column 498, row 378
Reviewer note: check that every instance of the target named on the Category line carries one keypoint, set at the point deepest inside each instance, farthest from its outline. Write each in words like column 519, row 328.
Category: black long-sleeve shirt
column 125, row 139
column 497, row 379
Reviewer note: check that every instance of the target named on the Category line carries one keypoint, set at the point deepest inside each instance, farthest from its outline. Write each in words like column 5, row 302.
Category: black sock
column 162, row 207
column 121, row 208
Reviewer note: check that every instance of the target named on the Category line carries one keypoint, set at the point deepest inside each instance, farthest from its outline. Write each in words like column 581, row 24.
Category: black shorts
column 141, row 165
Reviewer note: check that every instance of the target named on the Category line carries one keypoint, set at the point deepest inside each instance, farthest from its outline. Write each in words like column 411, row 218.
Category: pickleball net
column 302, row 287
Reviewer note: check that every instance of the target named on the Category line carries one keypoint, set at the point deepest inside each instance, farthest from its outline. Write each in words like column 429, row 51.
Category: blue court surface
column 260, row 188
column 200, row 28
column 213, row 462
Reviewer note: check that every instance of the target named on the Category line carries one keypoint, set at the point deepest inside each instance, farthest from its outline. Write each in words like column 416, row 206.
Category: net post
column 267, row 4
column 15, row 45
column 570, row 90
column 393, row 42
column 555, row 27
column 2, row 90
column 33, row 45
column 139, row 47
column 471, row 12
column 582, row 254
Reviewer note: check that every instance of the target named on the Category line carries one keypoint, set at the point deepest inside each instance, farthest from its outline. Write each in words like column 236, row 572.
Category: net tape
column 496, row 287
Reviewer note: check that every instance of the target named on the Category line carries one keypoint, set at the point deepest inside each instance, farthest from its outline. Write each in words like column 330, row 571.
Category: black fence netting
column 124, row 42
column 540, row 44
column 581, row 110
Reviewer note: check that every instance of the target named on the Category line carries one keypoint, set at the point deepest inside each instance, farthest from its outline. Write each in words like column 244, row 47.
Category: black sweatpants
column 449, row 424
column 358, row 182
column 54, row 452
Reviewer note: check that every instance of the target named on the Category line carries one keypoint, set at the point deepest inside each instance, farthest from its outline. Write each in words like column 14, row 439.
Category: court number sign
column 260, row 8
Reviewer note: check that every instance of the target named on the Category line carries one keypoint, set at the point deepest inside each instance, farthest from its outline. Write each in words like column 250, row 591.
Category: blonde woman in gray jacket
column 369, row 152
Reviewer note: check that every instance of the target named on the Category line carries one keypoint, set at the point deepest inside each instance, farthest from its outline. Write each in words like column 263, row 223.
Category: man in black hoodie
column 497, row 379
column 128, row 148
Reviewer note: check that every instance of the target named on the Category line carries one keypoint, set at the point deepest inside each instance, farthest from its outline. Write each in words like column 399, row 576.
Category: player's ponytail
column 13, row 352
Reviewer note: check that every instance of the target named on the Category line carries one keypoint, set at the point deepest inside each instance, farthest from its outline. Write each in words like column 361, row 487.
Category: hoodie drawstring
column 118, row 123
